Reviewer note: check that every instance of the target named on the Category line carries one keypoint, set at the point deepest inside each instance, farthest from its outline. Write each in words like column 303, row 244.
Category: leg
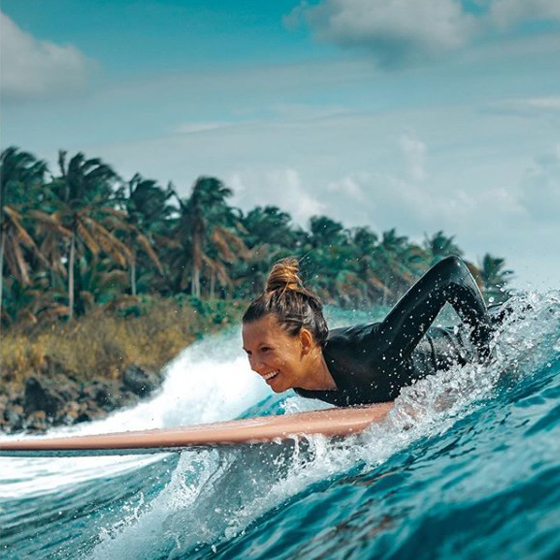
column 449, row 281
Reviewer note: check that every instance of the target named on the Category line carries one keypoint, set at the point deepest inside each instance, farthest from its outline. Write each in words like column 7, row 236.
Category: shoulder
column 353, row 334
column 351, row 347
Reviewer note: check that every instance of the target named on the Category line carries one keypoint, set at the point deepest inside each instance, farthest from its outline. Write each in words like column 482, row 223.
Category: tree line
column 81, row 236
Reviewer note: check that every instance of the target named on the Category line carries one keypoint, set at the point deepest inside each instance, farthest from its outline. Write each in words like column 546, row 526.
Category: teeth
column 270, row 375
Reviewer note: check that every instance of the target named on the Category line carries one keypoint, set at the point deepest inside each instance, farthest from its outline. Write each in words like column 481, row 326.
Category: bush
column 104, row 343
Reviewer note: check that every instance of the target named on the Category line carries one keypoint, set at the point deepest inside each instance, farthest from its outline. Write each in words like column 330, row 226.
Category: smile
column 270, row 375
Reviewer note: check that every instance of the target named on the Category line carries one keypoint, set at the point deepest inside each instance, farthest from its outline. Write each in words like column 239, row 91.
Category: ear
column 307, row 341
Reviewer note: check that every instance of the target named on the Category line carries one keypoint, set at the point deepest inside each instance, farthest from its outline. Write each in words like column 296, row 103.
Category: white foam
column 214, row 495
column 209, row 381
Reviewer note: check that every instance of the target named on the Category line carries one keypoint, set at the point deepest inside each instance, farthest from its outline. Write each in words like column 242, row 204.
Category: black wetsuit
column 372, row 363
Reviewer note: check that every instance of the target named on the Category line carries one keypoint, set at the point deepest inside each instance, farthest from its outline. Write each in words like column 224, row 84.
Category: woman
column 288, row 343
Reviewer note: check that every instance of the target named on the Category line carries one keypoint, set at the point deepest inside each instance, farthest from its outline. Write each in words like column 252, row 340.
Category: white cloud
column 402, row 32
column 532, row 107
column 541, row 187
column 405, row 196
column 509, row 13
column 34, row 68
column 195, row 127
column 414, row 152
column 281, row 187
column 348, row 186
column 397, row 31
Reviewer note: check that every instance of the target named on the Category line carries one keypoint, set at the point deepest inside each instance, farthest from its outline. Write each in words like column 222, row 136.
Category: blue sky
column 419, row 114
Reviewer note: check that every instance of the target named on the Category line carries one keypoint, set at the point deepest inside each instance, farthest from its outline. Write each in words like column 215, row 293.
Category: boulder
column 14, row 416
column 139, row 381
column 37, row 421
column 43, row 394
column 83, row 417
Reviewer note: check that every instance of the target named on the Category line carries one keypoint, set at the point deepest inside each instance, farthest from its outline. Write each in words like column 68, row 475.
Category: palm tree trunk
column 71, row 260
column 212, row 283
column 197, row 263
column 195, row 288
column 133, row 277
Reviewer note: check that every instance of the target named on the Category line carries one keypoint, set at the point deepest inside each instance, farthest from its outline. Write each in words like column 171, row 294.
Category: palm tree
column 440, row 246
column 391, row 258
column 494, row 278
column 207, row 229
column 327, row 257
column 147, row 213
column 364, row 243
column 21, row 175
column 81, row 198
column 268, row 224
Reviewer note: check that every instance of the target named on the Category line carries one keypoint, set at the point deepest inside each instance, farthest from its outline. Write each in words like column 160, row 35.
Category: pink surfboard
column 331, row 422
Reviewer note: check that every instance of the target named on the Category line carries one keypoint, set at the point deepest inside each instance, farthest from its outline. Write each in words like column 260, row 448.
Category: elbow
column 452, row 267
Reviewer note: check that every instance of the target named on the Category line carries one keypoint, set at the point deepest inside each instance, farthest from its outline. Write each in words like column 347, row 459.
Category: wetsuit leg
column 449, row 281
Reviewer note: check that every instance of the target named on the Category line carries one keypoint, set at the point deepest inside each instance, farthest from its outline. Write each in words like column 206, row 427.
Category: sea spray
column 458, row 452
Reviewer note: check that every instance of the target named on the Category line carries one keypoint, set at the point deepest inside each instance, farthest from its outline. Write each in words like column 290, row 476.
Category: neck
column 320, row 378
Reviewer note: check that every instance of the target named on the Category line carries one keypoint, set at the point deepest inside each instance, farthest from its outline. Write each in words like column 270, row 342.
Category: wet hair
column 294, row 306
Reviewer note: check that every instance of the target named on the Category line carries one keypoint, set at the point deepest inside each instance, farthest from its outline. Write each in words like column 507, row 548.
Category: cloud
column 405, row 196
column 530, row 107
column 541, row 187
column 281, row 187
column 349, row 186
column 509, row 13
column 403, row 32
column 396, row 31
column 196, row 127
column 414, row 152
column 32, row 68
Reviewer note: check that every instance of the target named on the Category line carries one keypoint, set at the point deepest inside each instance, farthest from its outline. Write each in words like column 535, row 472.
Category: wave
column 235, row 502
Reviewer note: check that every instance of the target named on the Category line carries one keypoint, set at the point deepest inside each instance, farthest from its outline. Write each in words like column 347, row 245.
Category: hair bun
column 284, row 276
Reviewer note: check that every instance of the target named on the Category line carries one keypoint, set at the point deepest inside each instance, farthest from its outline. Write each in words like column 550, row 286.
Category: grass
column 103, row 343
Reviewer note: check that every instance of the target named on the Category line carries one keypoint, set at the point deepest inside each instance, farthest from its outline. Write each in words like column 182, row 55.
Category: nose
column 256, row 365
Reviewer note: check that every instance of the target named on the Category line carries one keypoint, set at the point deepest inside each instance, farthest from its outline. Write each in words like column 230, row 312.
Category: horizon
column 376, row 114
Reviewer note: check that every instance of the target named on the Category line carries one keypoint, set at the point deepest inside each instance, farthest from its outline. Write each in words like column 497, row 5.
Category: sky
column 423, row 115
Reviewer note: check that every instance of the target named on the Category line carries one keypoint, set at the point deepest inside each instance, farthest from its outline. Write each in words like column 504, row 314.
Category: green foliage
column 83, row 239
column 495, row 278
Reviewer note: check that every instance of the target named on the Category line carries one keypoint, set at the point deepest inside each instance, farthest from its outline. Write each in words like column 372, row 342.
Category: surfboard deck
column 331, row 422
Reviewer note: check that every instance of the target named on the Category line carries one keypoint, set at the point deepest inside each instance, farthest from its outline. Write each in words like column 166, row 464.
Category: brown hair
column 294, row 306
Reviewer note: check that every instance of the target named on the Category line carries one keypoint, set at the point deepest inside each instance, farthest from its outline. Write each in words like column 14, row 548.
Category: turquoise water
column 466, row 466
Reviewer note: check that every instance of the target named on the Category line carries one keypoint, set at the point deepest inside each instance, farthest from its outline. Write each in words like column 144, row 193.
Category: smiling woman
column 288, row 342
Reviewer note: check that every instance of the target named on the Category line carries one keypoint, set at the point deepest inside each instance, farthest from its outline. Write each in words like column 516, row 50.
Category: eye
column 265, row 349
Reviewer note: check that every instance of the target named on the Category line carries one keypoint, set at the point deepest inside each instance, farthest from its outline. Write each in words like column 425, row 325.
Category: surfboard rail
column 330, row 423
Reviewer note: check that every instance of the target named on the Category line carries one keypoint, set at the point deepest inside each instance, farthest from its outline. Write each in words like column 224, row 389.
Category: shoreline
column 65, row 374
column 45, row 402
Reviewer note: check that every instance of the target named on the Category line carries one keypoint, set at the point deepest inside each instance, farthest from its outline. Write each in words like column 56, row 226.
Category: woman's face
column 275, row 355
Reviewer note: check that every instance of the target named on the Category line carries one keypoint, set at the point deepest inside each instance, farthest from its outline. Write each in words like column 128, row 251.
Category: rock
column 42, row 394
column 69, row 413
column 105, row 396
column 59, row 399
column 37, row 421
column 139, row 381
column 14, row 415
column 83, row 417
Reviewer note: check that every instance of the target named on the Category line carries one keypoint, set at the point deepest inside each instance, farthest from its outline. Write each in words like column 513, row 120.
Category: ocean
column 466, row 466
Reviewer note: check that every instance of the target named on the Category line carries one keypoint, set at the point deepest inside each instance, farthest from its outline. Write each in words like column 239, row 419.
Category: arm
column 449, row 281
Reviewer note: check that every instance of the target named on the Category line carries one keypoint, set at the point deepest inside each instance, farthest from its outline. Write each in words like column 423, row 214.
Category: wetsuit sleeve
column 449, row 281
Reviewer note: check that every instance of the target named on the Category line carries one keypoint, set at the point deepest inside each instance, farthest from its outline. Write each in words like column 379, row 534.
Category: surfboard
column 330, row 423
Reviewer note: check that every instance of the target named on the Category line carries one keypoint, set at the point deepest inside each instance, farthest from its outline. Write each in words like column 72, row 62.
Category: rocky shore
column 61, row 400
